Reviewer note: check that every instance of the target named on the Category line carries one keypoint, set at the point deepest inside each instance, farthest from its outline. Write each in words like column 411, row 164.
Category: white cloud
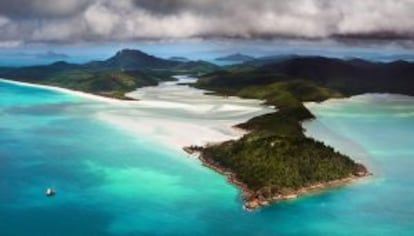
column 10, row 44
column 372, row 15
column 101, row 19
column 3, row 21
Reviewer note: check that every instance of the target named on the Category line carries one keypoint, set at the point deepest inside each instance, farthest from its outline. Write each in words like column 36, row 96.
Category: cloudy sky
column 74, row 21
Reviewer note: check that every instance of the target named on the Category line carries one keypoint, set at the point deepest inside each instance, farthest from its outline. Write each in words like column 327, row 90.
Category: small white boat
column 50, row 192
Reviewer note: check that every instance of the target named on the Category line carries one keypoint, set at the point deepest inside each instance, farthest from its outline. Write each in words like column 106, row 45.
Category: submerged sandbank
column 334, row 116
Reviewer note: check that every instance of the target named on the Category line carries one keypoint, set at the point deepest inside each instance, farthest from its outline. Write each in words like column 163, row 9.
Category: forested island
column 275, row 160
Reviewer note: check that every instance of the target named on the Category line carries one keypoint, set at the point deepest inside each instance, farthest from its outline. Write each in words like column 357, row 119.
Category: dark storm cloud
column 65, row 21
column 212, row 8
column 41, row 8
column 164, row 6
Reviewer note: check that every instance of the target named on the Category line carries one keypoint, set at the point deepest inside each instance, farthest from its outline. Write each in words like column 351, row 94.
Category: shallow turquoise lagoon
column 110, row 182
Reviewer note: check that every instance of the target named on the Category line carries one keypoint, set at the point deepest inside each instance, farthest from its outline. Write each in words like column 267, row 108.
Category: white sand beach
column 178, row 115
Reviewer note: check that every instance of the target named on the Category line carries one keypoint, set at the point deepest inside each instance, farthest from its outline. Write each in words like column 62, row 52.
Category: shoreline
column 68, row 91
column 252, row 200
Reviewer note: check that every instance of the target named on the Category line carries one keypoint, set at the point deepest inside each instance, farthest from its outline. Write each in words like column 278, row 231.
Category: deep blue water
column 110, row 182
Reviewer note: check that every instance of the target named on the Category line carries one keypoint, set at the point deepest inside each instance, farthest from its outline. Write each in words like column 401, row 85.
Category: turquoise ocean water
column 110, row 182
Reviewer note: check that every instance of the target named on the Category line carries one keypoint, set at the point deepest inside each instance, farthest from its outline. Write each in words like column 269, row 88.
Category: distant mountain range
column 238, row 57
column 129, row 69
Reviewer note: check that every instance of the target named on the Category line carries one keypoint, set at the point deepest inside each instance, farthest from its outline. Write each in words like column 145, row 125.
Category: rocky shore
column 254, row 199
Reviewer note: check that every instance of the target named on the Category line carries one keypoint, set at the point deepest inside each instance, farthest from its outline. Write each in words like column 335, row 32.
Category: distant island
column 275, row 160
column 182, row 59
column 52, row 55
column 238, row 57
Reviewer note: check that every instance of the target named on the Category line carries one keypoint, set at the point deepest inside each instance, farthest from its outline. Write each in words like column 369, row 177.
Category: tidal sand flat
column 113, row 181
column 178, row 115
